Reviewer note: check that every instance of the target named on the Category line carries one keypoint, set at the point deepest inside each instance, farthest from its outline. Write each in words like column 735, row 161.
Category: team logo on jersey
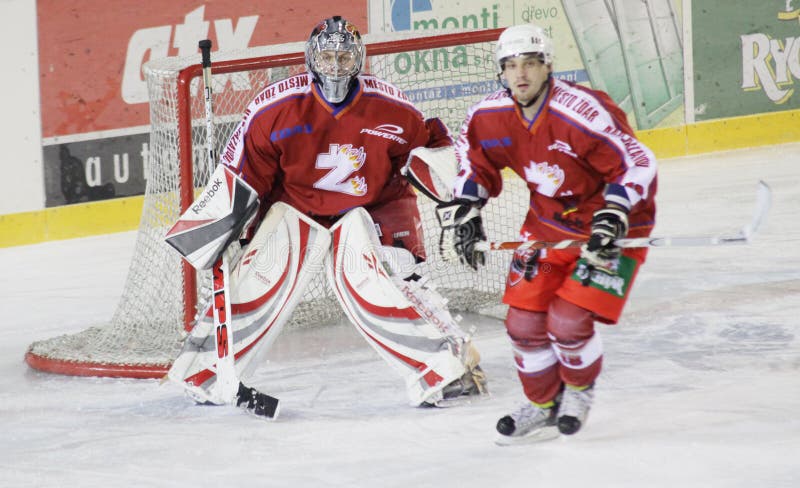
column 563, row 147
column 387, row 131
column 342, row 160
column 548, row 178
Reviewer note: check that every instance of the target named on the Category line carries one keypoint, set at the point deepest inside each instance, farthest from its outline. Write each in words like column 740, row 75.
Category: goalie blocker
column 214, row 220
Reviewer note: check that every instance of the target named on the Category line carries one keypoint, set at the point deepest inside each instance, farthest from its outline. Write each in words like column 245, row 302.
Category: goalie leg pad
column 430, row 305
column 266, row 285
column 386, row 311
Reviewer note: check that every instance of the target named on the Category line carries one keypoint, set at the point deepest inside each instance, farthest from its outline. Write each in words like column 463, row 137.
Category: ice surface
column 701, row 386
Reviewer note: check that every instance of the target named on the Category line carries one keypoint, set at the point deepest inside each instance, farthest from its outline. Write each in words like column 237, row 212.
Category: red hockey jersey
column 578, row 142
column 324, row 159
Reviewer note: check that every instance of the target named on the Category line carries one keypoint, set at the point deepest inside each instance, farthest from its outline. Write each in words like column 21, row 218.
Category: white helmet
column 523, row 39
column 340, row 37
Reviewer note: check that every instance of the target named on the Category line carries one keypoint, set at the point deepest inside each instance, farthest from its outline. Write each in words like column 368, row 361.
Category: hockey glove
column 462, row 218
column 608, row 224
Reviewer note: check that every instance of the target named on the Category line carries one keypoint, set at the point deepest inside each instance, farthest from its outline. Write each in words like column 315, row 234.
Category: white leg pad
column 265, row 286
column 397, row 318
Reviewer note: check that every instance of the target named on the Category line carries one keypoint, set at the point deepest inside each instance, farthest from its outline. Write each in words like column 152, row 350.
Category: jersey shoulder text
column 268, row 98
column 497, row 100
column 280, row 90
column 494, row 102
column 374, row 86
column 581, row 106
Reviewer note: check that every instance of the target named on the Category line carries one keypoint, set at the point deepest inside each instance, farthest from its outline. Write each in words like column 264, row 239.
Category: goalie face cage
column 444, row 75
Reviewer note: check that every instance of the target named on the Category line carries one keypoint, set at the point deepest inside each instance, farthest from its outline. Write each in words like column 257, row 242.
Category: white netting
column 147, row 327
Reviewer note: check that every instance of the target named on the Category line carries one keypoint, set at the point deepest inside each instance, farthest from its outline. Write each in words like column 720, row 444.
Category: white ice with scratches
column 701, row 385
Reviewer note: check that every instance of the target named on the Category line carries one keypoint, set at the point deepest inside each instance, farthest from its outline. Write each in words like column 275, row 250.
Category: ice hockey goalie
column 321, row 152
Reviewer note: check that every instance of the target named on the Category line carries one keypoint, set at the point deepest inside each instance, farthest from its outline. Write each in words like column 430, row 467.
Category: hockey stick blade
column 257, row 403
column 745, row 235
column 763, row 204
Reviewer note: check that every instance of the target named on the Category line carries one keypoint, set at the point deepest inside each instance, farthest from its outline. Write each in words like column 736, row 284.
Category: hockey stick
column 744, row 236
column 228, row 386
column 227, row 382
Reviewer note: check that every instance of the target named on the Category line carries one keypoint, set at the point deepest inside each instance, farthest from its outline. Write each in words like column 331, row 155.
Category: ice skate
column 471, row 386
column 529, row 423
column 574, row 408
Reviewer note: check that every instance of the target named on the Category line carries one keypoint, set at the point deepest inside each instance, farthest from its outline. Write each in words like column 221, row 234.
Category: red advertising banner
column 91, row 51
column 94, row 108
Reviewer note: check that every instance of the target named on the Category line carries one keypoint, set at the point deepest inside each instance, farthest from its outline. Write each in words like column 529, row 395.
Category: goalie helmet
column 523, row 39
column 335, row 56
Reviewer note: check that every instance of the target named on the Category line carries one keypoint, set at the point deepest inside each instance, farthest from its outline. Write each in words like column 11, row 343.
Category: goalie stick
column 228, row 387
column 744, row 236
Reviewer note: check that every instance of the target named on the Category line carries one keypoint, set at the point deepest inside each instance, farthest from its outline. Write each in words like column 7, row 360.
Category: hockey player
column 589, row 178
column 322, row 150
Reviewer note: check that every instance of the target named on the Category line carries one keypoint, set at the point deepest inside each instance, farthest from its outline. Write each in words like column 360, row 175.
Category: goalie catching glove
column 608, row 224
column 462, row 218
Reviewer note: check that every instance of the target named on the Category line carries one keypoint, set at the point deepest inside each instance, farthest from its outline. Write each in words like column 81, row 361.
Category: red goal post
column 443, row 74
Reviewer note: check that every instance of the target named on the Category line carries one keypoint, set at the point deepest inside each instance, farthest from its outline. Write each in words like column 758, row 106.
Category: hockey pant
column 407, row 323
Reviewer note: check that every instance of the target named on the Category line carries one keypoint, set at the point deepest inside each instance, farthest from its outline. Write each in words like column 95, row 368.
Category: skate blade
column 540, row 435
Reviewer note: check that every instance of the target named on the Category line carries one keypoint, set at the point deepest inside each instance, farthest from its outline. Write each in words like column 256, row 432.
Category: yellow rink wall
column 122, row 214
column 724, row 134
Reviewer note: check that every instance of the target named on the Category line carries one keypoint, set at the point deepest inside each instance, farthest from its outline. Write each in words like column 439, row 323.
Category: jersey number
column 342, row 161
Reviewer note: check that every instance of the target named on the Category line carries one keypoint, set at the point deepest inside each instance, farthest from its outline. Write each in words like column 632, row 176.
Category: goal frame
column 142, row 338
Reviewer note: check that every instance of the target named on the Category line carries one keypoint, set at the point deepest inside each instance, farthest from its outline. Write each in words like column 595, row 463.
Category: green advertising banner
column 631, row 50
column 746, row 59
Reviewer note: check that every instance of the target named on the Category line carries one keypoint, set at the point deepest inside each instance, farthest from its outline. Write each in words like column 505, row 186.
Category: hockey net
column 443, row 75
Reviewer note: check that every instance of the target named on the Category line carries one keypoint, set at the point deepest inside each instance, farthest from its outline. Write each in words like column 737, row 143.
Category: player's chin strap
column 533, row 100
column 540, row 93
